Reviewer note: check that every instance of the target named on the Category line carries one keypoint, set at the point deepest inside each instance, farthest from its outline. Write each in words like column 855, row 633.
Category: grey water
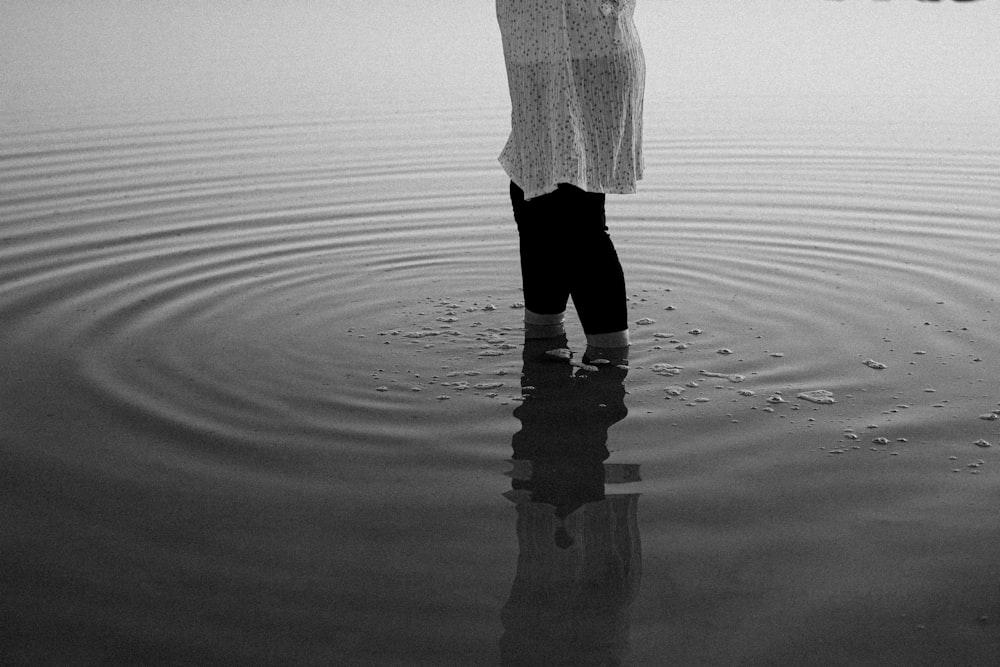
column 264, row 397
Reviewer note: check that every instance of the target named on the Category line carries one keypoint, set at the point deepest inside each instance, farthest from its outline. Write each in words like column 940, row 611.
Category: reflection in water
column 580, row 558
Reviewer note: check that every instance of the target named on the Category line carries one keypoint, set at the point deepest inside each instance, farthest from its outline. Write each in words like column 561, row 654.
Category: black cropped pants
column 566, row 252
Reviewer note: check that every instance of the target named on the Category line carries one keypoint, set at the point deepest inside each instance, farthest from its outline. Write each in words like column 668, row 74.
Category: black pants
column 566, row 252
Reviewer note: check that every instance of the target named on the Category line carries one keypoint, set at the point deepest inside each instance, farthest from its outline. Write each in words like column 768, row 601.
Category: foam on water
column 821, row 396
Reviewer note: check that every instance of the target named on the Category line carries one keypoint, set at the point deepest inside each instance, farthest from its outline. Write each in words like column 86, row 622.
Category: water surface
column 263, row 378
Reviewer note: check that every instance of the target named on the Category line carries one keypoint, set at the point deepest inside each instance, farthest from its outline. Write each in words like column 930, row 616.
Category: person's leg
column 598, row 283
column 566, row 250
column 543, row 274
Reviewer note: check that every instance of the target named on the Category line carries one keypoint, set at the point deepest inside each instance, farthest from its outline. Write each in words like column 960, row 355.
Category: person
column 576, row 75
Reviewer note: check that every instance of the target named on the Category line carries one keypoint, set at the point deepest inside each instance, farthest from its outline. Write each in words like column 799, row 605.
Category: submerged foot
column 607, row 348
column 598, row 356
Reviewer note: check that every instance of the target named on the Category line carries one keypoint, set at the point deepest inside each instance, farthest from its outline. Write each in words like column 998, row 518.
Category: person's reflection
column 580, row 561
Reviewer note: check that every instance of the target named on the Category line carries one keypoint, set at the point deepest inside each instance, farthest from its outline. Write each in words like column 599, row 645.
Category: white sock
column 543, row 325
column 531, row 317
column 613, row 339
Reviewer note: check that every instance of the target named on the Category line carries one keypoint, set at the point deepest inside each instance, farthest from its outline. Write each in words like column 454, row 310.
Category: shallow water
column 263, row 379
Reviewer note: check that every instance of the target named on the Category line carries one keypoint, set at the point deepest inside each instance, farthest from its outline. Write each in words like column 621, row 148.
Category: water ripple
column 231, row 276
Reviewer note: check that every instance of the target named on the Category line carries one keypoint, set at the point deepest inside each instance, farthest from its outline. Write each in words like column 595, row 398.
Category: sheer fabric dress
column 576, row 74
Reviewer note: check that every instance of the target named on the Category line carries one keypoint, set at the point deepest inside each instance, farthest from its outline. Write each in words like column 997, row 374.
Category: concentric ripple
column 209, row 275
column 231, row 276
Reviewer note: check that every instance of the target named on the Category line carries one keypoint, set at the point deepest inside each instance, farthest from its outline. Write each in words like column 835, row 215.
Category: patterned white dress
column 576, row 75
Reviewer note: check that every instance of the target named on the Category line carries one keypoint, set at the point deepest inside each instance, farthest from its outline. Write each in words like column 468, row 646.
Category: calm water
column 262, row 378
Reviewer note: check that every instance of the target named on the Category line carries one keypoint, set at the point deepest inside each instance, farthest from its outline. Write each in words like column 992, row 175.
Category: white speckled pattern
column 576, row 75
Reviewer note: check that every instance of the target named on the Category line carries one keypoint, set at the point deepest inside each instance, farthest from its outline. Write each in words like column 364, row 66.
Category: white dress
column 576, row 74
